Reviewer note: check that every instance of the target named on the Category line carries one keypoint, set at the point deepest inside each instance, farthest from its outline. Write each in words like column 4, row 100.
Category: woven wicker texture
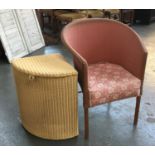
column 93, row 13
column 71, row 16
column 59, row 12
column 53, row 65
column 47, row 101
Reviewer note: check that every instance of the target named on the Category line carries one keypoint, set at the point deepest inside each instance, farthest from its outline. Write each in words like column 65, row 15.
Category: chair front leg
column 138, row 98
column 86, row 122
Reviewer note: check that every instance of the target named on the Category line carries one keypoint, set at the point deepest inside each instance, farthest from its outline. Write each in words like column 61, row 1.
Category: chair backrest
column 101, row 40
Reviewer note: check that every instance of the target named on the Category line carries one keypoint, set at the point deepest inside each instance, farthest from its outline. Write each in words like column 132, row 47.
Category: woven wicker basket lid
column 52, row 65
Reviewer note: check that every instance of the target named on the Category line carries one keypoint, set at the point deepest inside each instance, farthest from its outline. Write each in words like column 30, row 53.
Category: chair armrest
column 81, row 66
column 135, row 60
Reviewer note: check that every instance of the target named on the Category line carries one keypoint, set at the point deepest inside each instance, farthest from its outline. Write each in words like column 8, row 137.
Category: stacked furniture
column 144, row 15
column 127, row 16
column 112, row 14
column 93, row 13
column 56, row 19
column 44, row 13
column 67, row 17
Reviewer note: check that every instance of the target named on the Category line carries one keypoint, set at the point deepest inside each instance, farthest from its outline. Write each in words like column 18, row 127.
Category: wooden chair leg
column 109, row 106
column 138, row 98
column 86, row 122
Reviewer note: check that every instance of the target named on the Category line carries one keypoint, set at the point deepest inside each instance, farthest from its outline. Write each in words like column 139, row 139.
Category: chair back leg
column 138, row 98
column 86, row 123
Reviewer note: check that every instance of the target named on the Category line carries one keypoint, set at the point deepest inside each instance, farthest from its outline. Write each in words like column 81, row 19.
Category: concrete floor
column 108, row 126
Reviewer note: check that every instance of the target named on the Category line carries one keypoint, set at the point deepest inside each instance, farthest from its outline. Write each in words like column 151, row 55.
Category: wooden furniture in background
column 92, row 13
column 145, row 16
column 54, row 20
column 45, row 13
column 112, row 14
column 65, row 18
column 127, row 16
column 48, row 25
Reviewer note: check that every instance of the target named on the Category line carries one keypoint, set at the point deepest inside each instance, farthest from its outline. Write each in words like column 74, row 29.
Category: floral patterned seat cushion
column 109, row 82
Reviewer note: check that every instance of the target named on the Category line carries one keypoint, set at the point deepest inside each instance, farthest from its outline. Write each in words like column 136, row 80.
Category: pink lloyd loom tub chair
column 110, row 59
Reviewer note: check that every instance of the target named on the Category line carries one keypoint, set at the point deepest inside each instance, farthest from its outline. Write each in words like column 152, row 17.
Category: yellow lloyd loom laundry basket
column 47, row 92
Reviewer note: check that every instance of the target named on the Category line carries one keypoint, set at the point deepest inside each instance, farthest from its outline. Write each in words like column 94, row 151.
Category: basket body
column 48, row 105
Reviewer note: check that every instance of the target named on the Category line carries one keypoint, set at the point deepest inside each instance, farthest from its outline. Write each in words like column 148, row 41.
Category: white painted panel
column 31, row 29
column 11, row 35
